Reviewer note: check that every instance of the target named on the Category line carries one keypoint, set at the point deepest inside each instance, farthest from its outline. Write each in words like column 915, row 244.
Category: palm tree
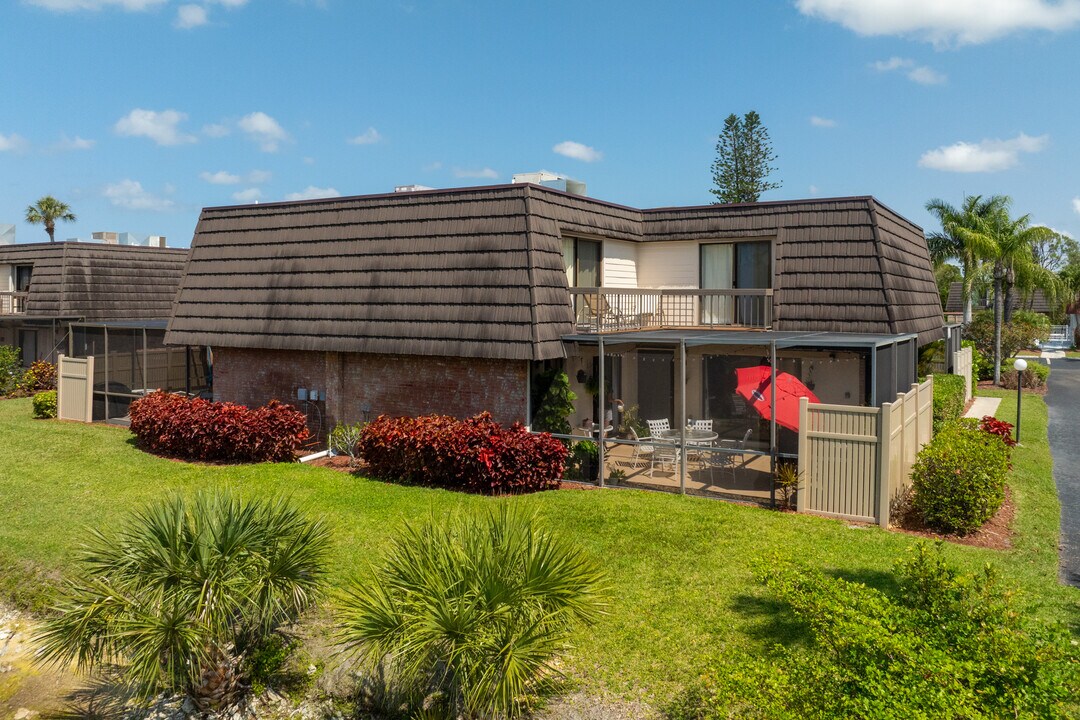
column 46, row 212
column 179, row 593
column 468, row 614
column 960, row 238
column 1013, row 265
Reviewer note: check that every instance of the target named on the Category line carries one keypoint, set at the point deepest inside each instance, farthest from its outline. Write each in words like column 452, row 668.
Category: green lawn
column 682, row 586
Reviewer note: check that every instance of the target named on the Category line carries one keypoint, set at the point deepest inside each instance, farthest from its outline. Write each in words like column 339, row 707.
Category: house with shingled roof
column 455, row 301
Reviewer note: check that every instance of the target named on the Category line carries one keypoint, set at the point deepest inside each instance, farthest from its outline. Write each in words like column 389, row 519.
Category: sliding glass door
column 717, row 273
column 727, row 266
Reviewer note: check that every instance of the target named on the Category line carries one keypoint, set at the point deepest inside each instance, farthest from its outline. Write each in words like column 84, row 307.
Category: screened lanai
column 131, row 360
column 714, row 412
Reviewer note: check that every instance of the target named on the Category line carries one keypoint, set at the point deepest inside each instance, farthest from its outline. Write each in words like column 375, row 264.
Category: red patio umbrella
column 753, row 384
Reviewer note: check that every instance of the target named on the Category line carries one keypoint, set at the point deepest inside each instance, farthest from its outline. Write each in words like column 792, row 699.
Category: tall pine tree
column 743, row 160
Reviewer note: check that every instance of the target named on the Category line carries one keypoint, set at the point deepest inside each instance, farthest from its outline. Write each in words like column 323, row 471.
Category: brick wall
column 390, row 384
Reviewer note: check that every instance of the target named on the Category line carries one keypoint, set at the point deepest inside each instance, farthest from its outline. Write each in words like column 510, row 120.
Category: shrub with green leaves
column 942, row 645
column 1034, row 377
column 948, row 399
column 467, row 615
column 982, row 367
column 1019, row 333
column 44, row 404
column 10, row 368
column 958, row 480
column 177, row 595
column 556, row 403
column 343, row 440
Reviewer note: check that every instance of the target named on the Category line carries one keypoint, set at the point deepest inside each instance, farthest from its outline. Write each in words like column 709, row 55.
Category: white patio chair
column 705, row 425
column 722, row 459
column 640, row 451
column 658, row 426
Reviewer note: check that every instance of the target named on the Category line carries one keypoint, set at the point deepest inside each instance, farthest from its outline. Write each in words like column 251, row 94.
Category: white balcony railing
column 12, row 303
column 612, row 309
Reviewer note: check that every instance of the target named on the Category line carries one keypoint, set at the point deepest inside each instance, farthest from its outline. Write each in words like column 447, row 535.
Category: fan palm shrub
column 468, row 614
column 175, row 597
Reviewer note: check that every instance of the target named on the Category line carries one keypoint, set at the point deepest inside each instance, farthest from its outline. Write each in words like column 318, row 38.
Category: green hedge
column 937, row 644
column 958, row 480
column 948, row 399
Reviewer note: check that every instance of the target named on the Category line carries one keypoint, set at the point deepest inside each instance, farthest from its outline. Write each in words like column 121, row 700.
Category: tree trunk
column 1010, row 301
column 999, row 310
column 965, row 288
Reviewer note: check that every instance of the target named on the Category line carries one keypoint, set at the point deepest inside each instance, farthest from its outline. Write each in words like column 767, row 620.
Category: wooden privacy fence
column 962, row 366
column 855, row 460
column 75, row 388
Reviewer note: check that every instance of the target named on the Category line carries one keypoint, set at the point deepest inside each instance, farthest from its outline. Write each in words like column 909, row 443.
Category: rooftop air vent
column 551, row 180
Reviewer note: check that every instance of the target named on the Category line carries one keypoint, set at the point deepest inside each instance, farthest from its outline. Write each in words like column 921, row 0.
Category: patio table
column 693, row 437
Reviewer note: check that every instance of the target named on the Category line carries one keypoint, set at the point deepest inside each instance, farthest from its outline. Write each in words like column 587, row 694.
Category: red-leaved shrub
column 1002, row 429
column 196, row 429
column 476, row 454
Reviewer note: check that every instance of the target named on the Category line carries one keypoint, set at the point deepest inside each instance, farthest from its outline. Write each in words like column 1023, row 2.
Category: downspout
column 682, row 416
column 772, row 423
column 603, row 414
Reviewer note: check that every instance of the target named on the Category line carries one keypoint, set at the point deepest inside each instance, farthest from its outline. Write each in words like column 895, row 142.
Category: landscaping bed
column 680, row 567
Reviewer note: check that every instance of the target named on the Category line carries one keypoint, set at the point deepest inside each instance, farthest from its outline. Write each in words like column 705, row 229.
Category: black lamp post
column 1020, row 365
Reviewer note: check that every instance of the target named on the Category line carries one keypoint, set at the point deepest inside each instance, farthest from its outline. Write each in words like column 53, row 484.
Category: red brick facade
column 389, row 384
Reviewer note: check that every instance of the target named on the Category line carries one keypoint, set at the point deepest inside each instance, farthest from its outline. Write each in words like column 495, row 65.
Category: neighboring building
column 451, row 301
column 44, row 287
column 1035, row 302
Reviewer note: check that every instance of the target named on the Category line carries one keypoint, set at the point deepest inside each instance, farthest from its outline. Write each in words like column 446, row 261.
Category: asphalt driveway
column 1063, row 401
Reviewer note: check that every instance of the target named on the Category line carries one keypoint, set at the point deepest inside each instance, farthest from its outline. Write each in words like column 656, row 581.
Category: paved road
column 1063, row 400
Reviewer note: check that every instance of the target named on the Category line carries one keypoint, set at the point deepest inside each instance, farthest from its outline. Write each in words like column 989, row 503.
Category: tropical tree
column 176, row 596
column 47, row 211
column 1014, row 265
column 743, row 160
column 962, row 238
column 468, row 614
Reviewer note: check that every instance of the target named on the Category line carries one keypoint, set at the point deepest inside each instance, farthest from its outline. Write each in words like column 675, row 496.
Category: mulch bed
column 996, row 534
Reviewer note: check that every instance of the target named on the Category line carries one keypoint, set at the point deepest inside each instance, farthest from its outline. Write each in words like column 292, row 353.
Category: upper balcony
column 599, row 310
column 13, row 303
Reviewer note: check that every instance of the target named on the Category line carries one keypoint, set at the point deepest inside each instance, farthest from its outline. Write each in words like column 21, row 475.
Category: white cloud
column 945, row 22
column 264, row 130
column 368, row 137
column 926, row 76
column 13, row 143
column 985, row 156
column 1076, row 205
column 231, row 3
column 73, row 5
column 75, row 143
column 257, row 177
column 215, row 130
column 482, row 173
column 130, row 195
column 161, row 127
column 309, row 160
column 221, row 177
column 822, row 122
column 313, row 193
column 190, row 16
column 813, row 189
column 921, row 74
column 577, row 151
column 248, row 196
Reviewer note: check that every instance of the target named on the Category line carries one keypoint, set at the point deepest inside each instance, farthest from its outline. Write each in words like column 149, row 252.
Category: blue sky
column 140, row 112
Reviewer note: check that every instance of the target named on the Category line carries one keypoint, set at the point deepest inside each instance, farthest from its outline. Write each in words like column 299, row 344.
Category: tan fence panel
column 962, row 365
column 855, row 461
column 75, row 388
column 838, row 459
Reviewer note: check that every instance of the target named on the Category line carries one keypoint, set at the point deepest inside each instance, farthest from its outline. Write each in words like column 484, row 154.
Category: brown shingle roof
column 99, row 282
column 478, row 272
column 448, row 273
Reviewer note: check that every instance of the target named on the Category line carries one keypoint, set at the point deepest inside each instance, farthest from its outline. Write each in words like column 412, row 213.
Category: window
column 22, row 277
column 582, row 260
column 727, row 266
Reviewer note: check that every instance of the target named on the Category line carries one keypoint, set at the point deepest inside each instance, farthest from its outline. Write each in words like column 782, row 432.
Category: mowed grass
column 682, row 591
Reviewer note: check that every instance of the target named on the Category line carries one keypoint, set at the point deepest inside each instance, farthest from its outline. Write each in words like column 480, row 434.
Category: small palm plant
column 177, row 595
column 47, row 211
column 468, row 614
